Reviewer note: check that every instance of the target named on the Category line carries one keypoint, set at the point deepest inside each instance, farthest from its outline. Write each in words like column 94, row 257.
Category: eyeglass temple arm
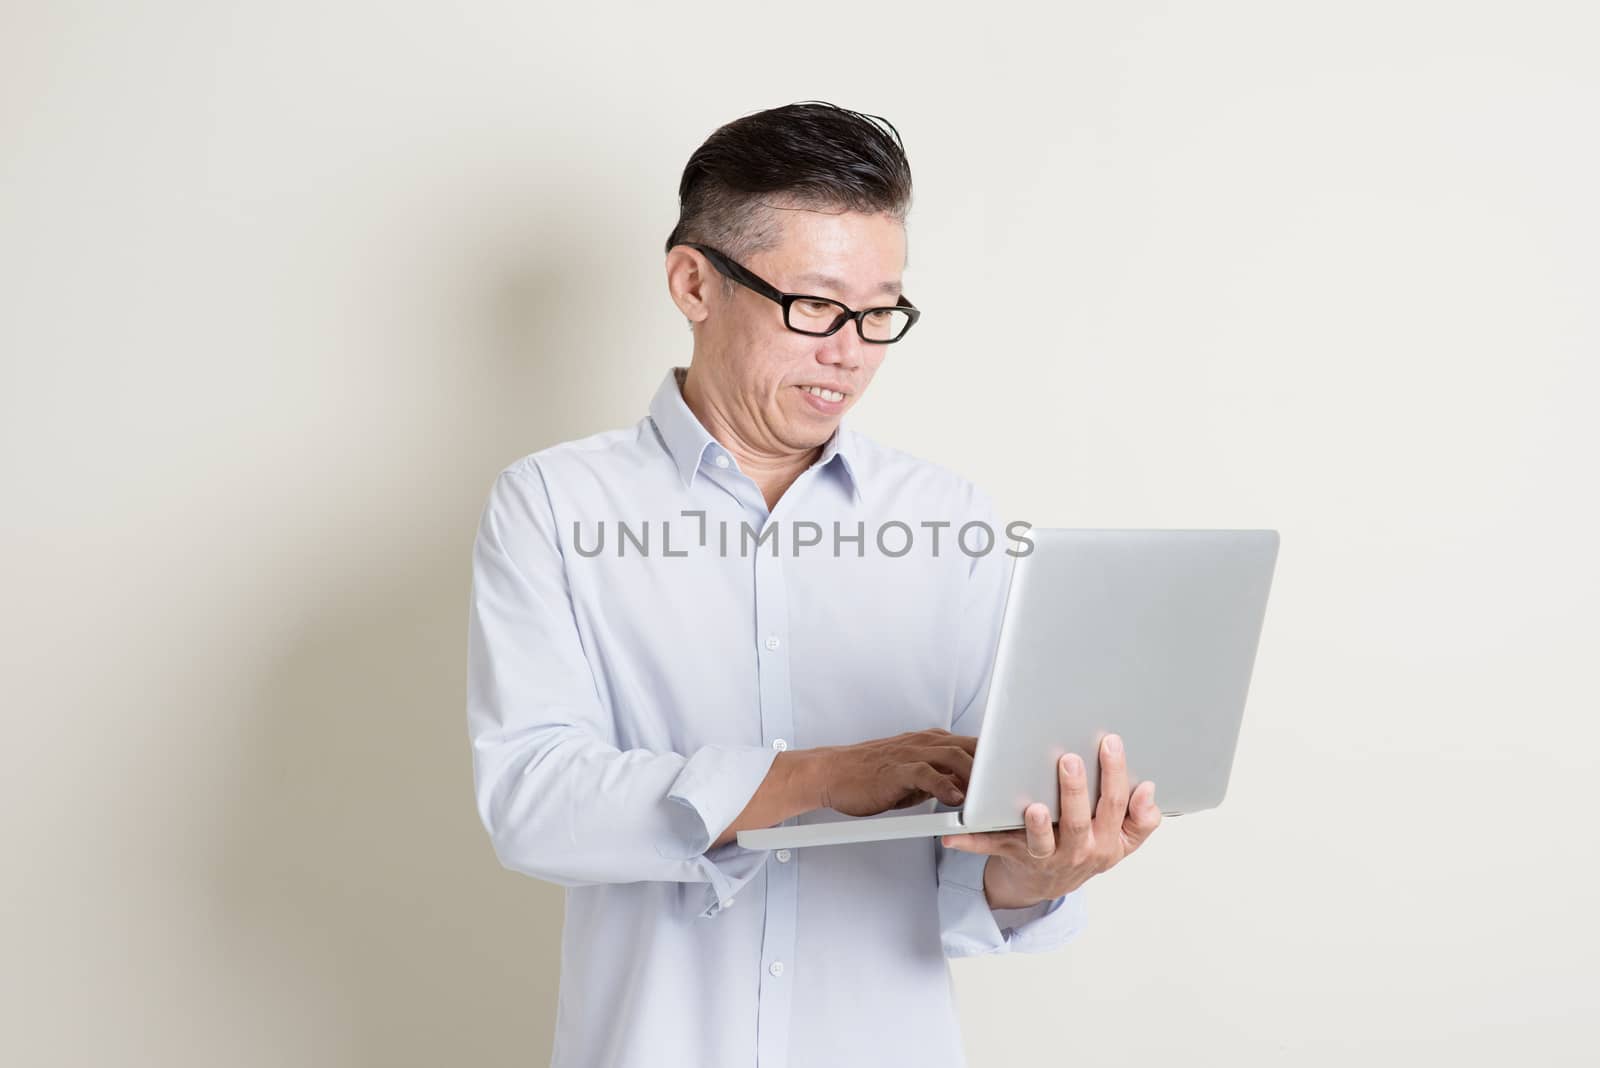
column 738, row 273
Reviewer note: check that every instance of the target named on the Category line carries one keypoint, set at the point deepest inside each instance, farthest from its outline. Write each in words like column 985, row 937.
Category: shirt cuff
column 970, row 928
column 709, row 793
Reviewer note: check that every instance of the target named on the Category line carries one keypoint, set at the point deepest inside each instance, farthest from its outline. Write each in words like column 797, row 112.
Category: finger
column 1113, row 805
column 1040, row 837
column 1144, row 816
column 930, row 779
column 1000, row 843
column 951, row 758
column 1076, row 829
column 938, row 738
column 915, row 797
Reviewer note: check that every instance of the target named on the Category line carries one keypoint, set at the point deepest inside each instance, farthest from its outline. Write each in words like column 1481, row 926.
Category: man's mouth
column 825, row 394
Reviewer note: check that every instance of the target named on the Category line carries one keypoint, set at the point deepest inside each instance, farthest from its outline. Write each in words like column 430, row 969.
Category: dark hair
column 812, row 155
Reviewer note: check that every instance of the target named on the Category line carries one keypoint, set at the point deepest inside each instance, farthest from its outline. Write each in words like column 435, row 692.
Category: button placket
column 777, row 724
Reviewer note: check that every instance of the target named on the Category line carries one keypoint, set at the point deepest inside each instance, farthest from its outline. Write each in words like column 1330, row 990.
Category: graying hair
column 811, row 155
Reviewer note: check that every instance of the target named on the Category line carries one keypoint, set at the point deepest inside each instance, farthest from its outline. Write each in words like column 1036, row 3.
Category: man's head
column 812, row 198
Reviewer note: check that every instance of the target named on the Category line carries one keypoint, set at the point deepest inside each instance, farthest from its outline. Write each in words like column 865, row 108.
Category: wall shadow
column 357, row 888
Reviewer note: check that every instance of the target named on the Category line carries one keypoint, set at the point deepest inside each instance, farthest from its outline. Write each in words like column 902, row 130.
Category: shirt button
column 783, row 856
column 776, row 967
column 721, row 461
column 772, row 642
column 779, row 744
column 726, row 902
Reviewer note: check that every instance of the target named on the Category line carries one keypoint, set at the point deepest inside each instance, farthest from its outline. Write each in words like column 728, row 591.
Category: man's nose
column 843, row 348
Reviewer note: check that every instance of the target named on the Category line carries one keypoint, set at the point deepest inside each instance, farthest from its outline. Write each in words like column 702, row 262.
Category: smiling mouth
column 825, row 394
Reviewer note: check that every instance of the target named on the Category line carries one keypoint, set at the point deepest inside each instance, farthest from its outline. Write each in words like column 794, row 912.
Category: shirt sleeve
column 559, row 799
column 968, row 925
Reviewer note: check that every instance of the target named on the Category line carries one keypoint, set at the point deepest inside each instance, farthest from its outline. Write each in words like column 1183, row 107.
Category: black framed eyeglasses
column 819, row 316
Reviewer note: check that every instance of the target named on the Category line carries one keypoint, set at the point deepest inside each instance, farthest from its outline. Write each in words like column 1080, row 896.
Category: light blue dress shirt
column 628, row 690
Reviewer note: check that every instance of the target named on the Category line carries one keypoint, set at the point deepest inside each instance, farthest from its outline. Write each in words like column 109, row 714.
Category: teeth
column 825, row 394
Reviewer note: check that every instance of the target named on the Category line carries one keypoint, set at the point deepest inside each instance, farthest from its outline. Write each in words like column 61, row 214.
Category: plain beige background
column 283, row 285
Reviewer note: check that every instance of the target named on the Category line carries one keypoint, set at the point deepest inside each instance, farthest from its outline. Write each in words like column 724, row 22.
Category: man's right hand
column 860, row 780
column 897, row 772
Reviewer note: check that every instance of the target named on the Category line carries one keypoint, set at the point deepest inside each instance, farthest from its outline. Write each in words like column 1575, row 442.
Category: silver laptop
column 1150, row 634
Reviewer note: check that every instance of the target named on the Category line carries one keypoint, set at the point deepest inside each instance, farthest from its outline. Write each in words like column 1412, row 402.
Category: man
column 698, row 625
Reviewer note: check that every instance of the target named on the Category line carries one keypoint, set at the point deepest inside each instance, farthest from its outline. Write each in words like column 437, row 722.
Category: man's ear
column 689, row 283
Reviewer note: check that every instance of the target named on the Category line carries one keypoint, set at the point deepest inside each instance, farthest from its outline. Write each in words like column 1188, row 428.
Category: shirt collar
column 687, row 440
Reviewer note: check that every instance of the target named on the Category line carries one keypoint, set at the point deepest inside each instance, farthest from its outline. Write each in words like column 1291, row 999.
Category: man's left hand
column 1038, row 863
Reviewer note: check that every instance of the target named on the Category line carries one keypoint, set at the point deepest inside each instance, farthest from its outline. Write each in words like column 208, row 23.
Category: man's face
column 761, row 370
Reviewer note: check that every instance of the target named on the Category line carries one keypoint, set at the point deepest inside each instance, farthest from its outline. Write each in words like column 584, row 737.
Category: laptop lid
column 1150, row 634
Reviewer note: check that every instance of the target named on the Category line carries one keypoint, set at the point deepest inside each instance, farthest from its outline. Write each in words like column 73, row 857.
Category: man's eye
column 816, row 307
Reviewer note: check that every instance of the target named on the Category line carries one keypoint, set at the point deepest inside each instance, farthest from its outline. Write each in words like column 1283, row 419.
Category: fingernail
column 1113, row 744
column 1072, row 764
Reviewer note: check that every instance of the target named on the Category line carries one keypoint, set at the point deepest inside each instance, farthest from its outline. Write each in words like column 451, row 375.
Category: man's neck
column 773, row 472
